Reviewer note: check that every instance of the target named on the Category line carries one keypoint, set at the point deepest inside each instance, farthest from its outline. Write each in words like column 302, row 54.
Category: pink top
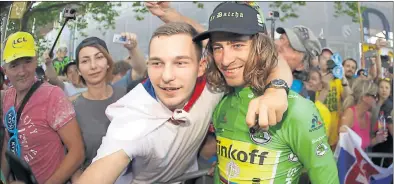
column 46, row 112
column 362, row 132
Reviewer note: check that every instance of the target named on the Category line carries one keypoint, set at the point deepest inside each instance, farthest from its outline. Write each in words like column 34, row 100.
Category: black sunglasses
column 373, row 96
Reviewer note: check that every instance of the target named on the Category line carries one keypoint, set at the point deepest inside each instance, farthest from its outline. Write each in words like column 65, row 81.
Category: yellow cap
column 18, row 45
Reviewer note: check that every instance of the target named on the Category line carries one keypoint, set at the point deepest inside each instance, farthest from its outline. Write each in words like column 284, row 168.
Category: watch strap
column 271, row 85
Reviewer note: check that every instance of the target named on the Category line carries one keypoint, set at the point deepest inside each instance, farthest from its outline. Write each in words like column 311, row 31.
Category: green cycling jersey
column 277, row 156
column 59, row 65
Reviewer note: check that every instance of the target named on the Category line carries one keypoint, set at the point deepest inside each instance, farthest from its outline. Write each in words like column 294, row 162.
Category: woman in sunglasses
column 356, row 112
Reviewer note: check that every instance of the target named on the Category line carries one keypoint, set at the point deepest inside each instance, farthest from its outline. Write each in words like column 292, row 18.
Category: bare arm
column 380, row 43
column 167, row 14
column 136, row 58
column 346, row 119
column 50, row 72
column 4, row 164
column 346, row 88
column 378, row 66
column 139, row 63
column 173, row 16
column 71, row 137
column 372, row 71
column 281, row 71
column 322, row 95
column 390, row 128
column 95, row 172
column 269, row 107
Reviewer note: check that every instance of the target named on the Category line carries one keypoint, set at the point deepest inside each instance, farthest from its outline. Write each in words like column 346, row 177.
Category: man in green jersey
column 242, row 57
column 61, row 60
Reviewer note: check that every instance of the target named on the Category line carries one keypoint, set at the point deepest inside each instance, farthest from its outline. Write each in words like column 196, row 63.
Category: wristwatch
column 278, row 84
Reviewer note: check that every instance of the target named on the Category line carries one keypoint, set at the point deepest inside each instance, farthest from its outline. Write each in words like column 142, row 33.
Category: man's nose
column 228, row 57
column 21, row 69
column 277, row 43
column 168, row 74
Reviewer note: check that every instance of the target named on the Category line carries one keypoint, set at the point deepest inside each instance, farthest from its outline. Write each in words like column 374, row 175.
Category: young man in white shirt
column 158, row 126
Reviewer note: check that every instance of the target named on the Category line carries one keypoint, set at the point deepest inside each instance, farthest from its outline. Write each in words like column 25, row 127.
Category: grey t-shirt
column 125, row 80
column 93, row 121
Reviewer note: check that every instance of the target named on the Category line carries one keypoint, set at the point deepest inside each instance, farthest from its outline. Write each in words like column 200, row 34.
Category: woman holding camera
column 332, row 96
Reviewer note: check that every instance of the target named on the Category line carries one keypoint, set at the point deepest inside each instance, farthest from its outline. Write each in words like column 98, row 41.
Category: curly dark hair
column 262, row 59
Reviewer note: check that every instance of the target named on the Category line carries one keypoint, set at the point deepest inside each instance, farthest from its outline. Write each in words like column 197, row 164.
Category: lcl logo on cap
column 18, row 41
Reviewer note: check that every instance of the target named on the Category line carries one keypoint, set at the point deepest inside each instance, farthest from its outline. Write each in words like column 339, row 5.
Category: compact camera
column 273, row 14
column 69, row 13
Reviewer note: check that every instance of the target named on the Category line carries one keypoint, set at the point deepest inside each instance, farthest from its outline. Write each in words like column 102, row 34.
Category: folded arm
column 51, row 73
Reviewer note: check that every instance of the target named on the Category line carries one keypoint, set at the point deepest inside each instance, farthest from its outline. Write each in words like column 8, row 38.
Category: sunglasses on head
column 385, row 79
column 10, row 125
column 372, row 95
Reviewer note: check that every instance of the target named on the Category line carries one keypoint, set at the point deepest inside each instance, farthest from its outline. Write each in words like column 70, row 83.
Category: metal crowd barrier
column 380, row 155
column 203, row 173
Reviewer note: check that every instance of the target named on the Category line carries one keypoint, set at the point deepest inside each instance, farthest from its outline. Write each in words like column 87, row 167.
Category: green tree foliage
column 140, row 9
column 288, row 9
column 348, row 8
column 44, row 13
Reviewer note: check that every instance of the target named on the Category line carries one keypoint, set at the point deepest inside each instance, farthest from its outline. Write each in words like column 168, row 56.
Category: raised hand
column 158, row 8
column 131, row 40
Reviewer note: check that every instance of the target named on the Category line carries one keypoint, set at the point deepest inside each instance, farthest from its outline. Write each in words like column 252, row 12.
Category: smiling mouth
column 232, row 70
column 93, row 74
column 169, row 88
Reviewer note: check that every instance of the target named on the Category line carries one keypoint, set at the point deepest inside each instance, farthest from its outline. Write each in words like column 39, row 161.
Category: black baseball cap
column 89, row 42
column 234, row 17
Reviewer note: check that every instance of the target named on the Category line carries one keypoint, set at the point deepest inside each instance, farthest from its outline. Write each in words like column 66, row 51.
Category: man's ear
column 5, row 68
column 35, row 60
column 202, row 66
column 300, row 67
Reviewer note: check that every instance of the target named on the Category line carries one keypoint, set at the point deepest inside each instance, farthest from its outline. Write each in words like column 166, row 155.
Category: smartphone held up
column 120, row 39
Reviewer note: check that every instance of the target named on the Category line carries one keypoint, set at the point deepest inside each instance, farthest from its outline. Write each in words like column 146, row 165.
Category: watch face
column 278, row 82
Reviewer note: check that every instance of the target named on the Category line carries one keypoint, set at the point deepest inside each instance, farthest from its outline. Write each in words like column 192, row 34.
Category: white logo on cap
column 259, row 19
